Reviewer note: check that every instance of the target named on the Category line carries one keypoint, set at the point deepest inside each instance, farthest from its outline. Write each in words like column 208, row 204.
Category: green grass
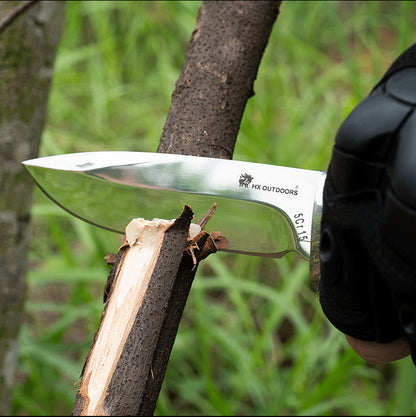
column 253, row 340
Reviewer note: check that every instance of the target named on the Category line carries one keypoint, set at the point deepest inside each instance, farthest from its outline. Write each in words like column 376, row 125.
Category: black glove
column 368, row 229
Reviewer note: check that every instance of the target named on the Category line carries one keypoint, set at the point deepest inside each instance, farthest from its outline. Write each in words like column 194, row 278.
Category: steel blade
column 263, row 210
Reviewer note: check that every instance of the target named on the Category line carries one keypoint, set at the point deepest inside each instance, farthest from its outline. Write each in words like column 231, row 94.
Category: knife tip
column 30, row 162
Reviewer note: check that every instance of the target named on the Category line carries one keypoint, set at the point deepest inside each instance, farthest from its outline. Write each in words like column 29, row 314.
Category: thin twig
column 16, row 12
column 207, row 216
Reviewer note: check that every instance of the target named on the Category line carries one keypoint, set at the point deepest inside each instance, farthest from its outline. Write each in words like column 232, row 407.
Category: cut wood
column 207, row 105
column 130, row 351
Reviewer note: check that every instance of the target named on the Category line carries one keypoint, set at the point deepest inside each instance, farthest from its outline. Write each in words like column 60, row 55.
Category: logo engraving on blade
column 246, row 179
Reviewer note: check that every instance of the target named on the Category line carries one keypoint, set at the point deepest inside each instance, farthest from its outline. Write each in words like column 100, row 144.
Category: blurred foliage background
column 253, row 340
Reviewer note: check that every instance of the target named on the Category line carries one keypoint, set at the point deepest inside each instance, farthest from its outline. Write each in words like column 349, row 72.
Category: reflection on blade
column 262, row 209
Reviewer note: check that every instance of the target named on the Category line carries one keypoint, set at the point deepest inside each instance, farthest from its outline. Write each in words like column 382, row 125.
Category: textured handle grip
column 368, row 229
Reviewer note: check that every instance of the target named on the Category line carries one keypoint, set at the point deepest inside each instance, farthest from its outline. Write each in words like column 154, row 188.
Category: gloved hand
column 368, row 229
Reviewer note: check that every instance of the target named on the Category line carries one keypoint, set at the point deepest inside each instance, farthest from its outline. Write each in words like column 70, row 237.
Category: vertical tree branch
column 217, row 77
column 204, row 118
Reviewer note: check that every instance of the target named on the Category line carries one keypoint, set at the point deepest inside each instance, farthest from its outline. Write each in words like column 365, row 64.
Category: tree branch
column 16, row 12
column 217, row 77
column 204, row 118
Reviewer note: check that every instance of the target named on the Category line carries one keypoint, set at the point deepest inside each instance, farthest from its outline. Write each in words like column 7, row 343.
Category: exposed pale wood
column 145, row 240
column 121, row 358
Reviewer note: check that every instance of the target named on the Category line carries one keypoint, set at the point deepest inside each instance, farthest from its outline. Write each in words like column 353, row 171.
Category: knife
column 354, row 223
column 262, row 210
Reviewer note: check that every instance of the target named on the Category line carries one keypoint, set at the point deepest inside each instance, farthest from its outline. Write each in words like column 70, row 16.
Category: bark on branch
column 204, row 118
column 217, row 77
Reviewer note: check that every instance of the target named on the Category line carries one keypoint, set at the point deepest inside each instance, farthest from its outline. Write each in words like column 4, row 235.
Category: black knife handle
column 368, row 228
